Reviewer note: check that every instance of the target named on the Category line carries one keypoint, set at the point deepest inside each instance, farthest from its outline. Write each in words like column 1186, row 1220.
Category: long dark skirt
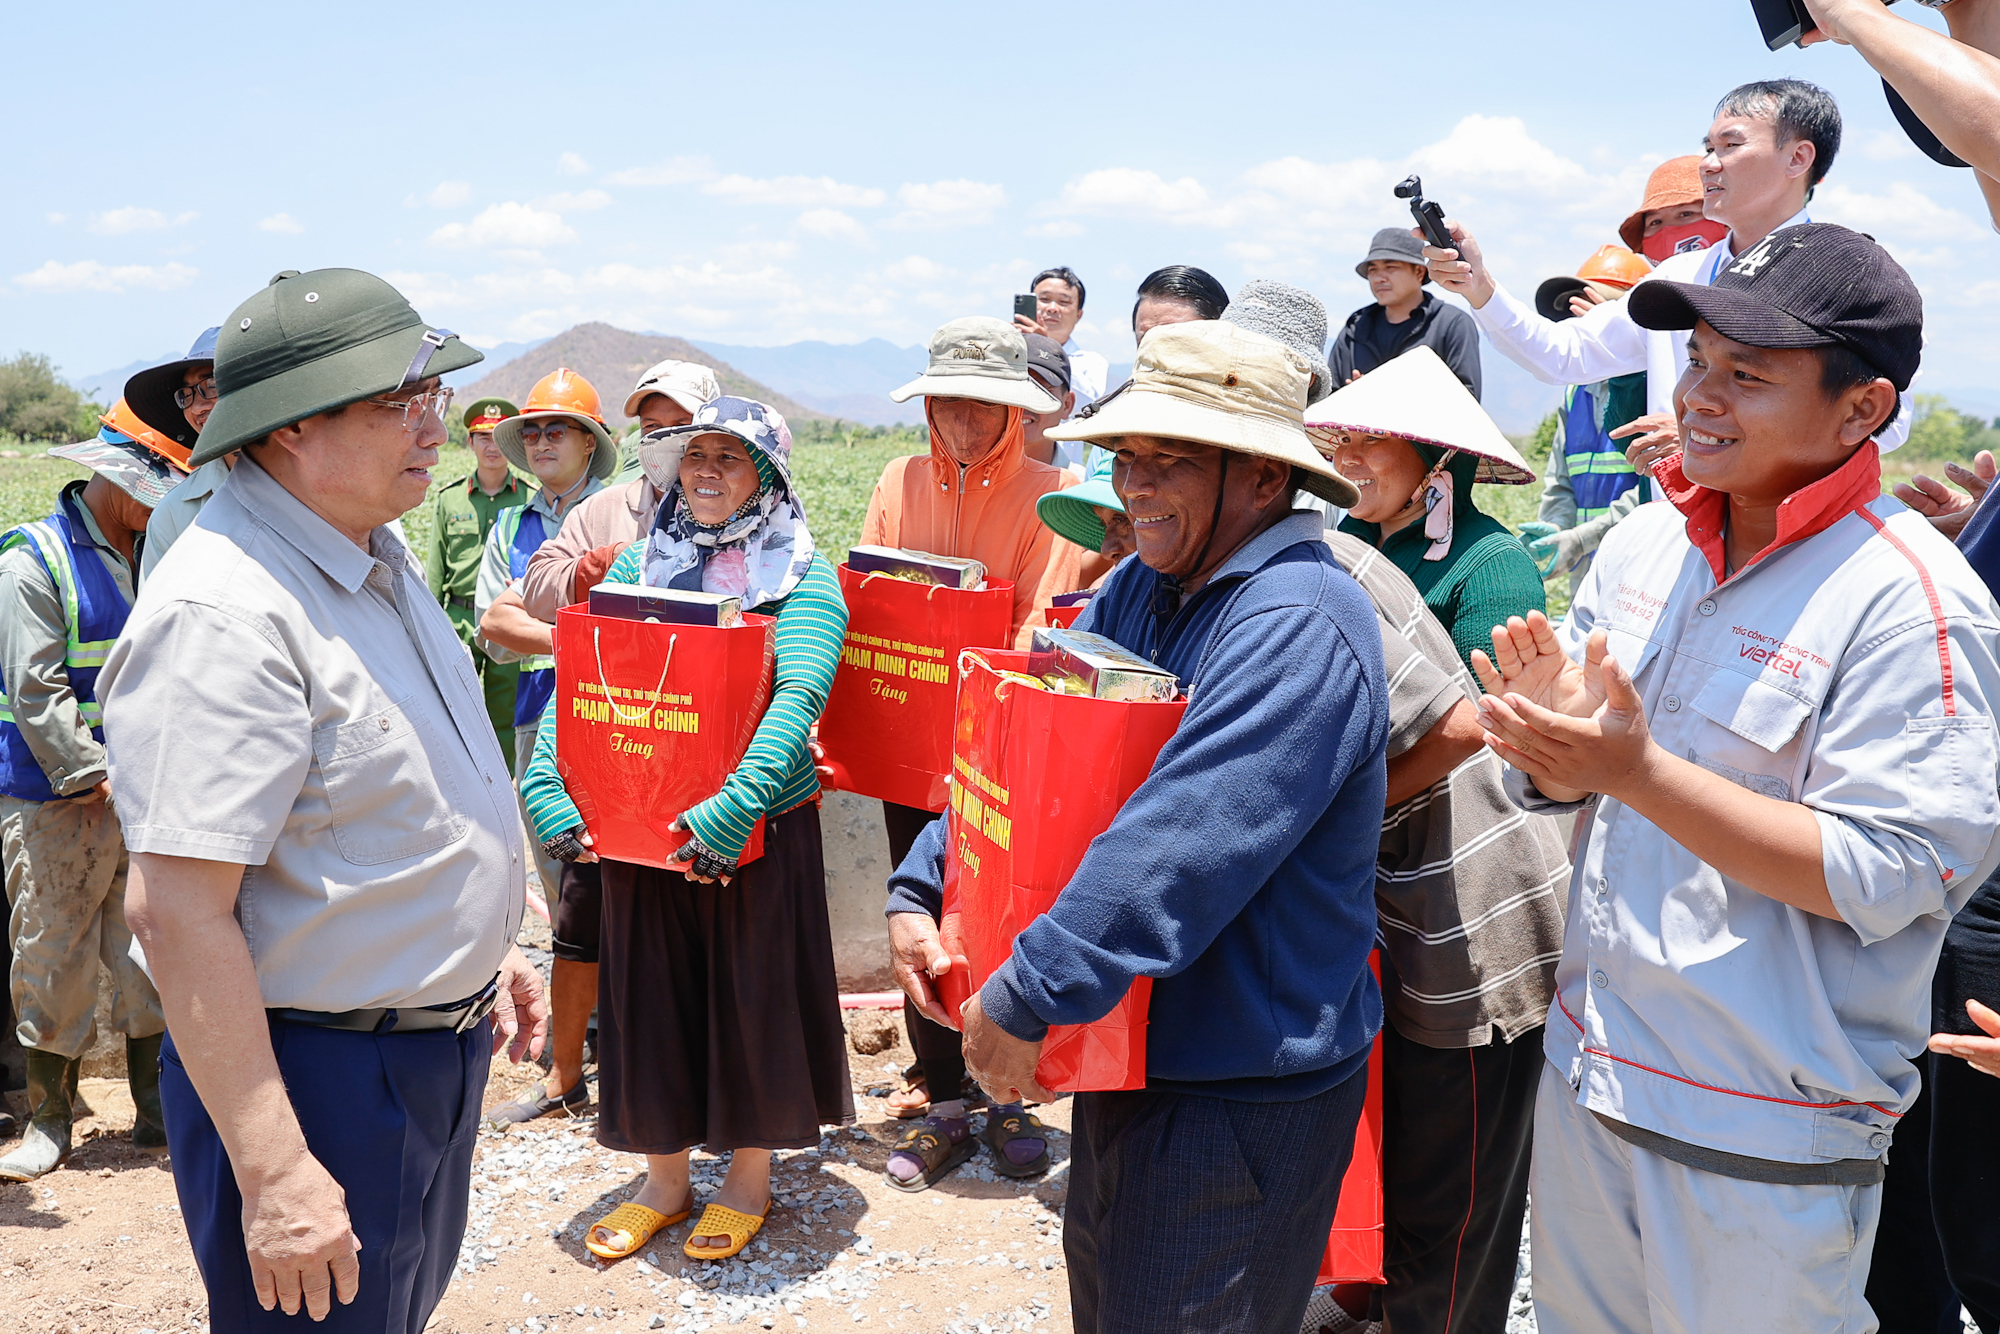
column 718, row 1013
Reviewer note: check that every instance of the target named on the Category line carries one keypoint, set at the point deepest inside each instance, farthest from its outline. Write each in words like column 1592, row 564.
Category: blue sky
column 762, row 173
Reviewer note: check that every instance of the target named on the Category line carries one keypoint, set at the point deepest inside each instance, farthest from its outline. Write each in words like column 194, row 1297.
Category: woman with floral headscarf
column 719, row 1017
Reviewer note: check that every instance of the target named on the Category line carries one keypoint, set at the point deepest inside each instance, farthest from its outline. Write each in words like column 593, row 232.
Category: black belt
column 457, row 1016
column 463, row 604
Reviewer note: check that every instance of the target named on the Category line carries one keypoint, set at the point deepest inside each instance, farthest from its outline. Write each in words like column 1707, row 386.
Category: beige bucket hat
column 688, row 383
column 1416, row 397
column 983, row 358
column 1216, row 383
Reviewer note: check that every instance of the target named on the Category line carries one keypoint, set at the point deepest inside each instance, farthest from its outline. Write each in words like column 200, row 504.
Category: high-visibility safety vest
column 94, row 612
column 1598, row 472
column 522, row 534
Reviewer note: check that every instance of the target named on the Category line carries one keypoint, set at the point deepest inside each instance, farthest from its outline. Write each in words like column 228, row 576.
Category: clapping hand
column 1574, row 730
column 1949, row 510
column 1982, row 1053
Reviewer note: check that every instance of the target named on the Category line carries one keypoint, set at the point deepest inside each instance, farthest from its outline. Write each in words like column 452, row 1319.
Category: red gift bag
column 886, row 732
column 651, row 719
column 1354, row 1247
column 1062, row 618
column 1035, row 777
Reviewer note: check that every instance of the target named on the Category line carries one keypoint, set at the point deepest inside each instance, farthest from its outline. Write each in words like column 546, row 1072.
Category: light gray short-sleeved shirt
column 284, row 700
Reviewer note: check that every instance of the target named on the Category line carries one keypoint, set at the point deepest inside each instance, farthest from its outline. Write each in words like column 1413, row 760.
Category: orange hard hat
column 123, row 420
column 1616, row 265
column 563, row 390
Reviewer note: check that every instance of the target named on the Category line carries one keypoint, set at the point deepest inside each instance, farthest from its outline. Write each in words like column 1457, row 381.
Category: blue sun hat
column 1069, row 513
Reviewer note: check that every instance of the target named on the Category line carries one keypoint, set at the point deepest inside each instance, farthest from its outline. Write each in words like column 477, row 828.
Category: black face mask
column 1167, row 594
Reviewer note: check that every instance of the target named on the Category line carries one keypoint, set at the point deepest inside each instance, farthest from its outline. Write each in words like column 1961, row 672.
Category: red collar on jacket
column 1808, row 511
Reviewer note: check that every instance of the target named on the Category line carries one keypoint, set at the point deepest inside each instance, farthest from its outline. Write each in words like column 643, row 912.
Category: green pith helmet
column 312, row 342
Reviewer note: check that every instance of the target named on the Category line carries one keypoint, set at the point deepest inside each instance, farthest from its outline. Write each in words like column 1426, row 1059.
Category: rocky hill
column 613, row 359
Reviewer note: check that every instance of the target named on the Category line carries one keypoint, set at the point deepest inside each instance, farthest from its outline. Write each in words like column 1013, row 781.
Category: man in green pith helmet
column 461, row 515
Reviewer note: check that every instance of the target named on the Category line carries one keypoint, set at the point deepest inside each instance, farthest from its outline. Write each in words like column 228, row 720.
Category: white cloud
column 674, row 171
column 1127, row 190
column 566, row 201
column 915, row 269
column 56, row 219
column 90, row 276
column 1901, row 216
column 283, row 223
column 511, row 225
column 1057, row 228
column 1886, row 146
column 832, row 224
column 794, row 191
column 449, row 194
column 120, row 221
column 572, row 164
column 948, row 203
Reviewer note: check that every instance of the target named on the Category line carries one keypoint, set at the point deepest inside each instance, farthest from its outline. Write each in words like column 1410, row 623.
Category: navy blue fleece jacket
column 1241, row 874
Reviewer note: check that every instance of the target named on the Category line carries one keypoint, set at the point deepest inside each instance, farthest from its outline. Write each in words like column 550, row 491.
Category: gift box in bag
column 1035, row 777
column 886, row 732
column 651, row 719
column 1354, row 1247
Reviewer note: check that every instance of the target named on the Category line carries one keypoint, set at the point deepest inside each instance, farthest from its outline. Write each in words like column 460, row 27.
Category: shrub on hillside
column 35, row 403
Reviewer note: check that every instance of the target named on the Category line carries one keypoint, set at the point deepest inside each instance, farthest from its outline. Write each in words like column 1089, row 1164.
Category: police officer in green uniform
column 461, row 514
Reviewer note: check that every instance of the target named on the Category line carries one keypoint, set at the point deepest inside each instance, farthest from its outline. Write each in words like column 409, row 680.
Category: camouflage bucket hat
column 761, row 427
column 312, row 342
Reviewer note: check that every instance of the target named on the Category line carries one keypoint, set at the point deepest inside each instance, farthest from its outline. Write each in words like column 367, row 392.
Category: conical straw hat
column 1416, row 397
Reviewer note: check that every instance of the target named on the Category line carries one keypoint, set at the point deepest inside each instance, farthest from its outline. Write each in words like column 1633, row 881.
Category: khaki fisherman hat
column 981, row 358
column 1416, row 397
column 312, row 342
column 687, row 383
column 1215, row 383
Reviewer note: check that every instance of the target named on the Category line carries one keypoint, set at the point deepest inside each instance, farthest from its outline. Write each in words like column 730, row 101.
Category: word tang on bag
column 651, row 719
column 886, row 732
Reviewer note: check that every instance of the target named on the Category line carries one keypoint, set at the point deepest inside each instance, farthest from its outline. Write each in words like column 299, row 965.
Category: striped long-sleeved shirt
column 777, row 771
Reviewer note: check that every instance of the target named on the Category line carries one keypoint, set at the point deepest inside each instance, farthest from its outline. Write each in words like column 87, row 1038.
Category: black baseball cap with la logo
column 1814, row 285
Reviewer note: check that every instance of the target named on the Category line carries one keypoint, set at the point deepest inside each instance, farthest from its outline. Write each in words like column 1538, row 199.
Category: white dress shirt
column 1604, row 341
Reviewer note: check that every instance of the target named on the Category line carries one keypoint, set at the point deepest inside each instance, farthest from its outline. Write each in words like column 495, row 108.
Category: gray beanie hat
column 1290, row 316
column 1391, row 243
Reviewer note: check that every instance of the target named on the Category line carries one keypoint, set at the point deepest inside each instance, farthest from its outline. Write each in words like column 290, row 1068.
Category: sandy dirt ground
column 98, row 1246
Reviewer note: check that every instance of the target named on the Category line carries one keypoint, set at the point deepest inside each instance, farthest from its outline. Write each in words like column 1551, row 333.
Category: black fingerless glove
column 566, row 846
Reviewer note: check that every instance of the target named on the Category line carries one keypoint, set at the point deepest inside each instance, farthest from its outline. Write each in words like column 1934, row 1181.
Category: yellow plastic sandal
column 635, row 1223
column 720, row 1221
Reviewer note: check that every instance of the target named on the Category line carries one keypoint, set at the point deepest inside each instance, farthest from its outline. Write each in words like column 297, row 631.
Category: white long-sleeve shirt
column 1604, row 341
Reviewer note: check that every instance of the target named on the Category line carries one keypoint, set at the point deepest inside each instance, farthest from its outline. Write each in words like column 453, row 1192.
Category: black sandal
column 939, row 1154
column 999, row 1132
column 536, row 1103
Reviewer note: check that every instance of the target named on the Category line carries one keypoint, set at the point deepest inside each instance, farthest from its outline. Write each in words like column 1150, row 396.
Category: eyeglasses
column 553, row 432
column 185, row 396
column 416, row 409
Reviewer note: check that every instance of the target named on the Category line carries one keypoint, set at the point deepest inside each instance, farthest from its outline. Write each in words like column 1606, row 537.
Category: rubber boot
column 52, row 1090
column 142, row 1073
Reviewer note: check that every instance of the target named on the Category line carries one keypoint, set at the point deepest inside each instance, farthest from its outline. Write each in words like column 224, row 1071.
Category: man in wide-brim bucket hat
column 287, row 694
column 560, row 396
column 175, row 397
column 66, row 585
column 1240, row 877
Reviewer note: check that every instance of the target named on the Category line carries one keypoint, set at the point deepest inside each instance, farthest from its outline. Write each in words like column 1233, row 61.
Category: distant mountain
column 612, row 360
column 105, row 386
column 849, row 380
column 495, row 358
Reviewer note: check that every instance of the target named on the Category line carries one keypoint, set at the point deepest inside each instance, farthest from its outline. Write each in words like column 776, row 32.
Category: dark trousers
column 579, row 912
column 1939, row 1243
column 940, row 1054
column 1202, row 1215
column 394, row 1119
column 1457, row 1126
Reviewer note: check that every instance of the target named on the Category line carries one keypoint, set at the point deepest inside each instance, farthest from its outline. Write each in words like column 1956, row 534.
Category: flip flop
column 536, row 1103
column 636, row 1223
column 719, row 1220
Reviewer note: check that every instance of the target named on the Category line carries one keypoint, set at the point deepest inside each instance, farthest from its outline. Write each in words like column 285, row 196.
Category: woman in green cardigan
column 1414, row 442
column 718, row 1012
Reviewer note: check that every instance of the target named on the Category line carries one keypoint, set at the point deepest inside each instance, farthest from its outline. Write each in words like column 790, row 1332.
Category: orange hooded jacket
column 983, row 510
